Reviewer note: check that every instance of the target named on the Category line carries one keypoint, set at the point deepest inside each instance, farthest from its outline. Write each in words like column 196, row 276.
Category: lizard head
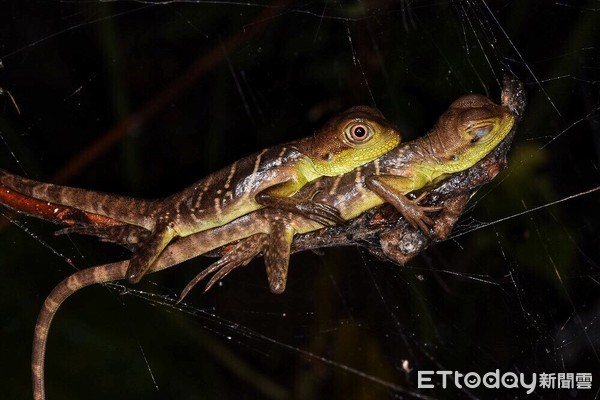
column 350, row 139
column 469, row 130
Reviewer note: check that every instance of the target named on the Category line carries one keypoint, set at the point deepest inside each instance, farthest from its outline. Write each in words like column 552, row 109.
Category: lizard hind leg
column 126, row 235
column 147, row 252
column 276, row 247
column 241, row 254
column 277, row 255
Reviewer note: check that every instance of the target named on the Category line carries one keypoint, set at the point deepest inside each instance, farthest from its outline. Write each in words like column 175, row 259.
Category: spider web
column 167, row 92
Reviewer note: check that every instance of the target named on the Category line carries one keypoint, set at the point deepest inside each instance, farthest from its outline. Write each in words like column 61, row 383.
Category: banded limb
column 392, row 188
column 276, row 248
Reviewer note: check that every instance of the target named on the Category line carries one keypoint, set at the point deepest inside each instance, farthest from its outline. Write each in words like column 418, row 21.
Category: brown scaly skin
column 365, row 229
column 463, row 135
column 389, row 237
column 450, row 147
column 268, row 178
column 469, row 130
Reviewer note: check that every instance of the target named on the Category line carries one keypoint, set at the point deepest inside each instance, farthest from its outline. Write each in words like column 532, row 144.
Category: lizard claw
column 241, row 254
column 213, row 267
column 128, row 235
column 222, row 273
column 416, row 214
column 322, row 213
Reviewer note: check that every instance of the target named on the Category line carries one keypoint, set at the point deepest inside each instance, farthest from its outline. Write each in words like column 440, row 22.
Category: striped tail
column 177, row 252
column 122, row 208
column 75, row 282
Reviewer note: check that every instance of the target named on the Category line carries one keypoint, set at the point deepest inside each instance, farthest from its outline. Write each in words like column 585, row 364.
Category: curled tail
column 126, row 209
column 177, row 252
column 75, row 282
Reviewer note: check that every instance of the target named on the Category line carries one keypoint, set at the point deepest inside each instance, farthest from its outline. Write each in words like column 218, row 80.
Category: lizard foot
column 322, row 213
column 416, row 214
column 241, row 254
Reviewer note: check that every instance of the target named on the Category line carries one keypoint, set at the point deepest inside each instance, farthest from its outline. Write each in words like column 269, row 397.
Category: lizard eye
column 358, row 133
column 479, row 132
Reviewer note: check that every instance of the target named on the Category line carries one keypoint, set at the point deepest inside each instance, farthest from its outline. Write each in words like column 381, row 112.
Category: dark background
column 519, row 295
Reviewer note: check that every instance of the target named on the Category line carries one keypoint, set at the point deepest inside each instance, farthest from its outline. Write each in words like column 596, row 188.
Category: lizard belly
column 230, row 193
column 221, row 214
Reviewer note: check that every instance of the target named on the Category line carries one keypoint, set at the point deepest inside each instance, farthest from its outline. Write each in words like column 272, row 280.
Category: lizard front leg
column 279, row 197
column 391, row 188
column 402, row 244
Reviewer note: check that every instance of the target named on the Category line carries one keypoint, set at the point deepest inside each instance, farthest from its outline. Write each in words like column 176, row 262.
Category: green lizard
column 468, row 131
column 268, row 178
column 463, row 135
